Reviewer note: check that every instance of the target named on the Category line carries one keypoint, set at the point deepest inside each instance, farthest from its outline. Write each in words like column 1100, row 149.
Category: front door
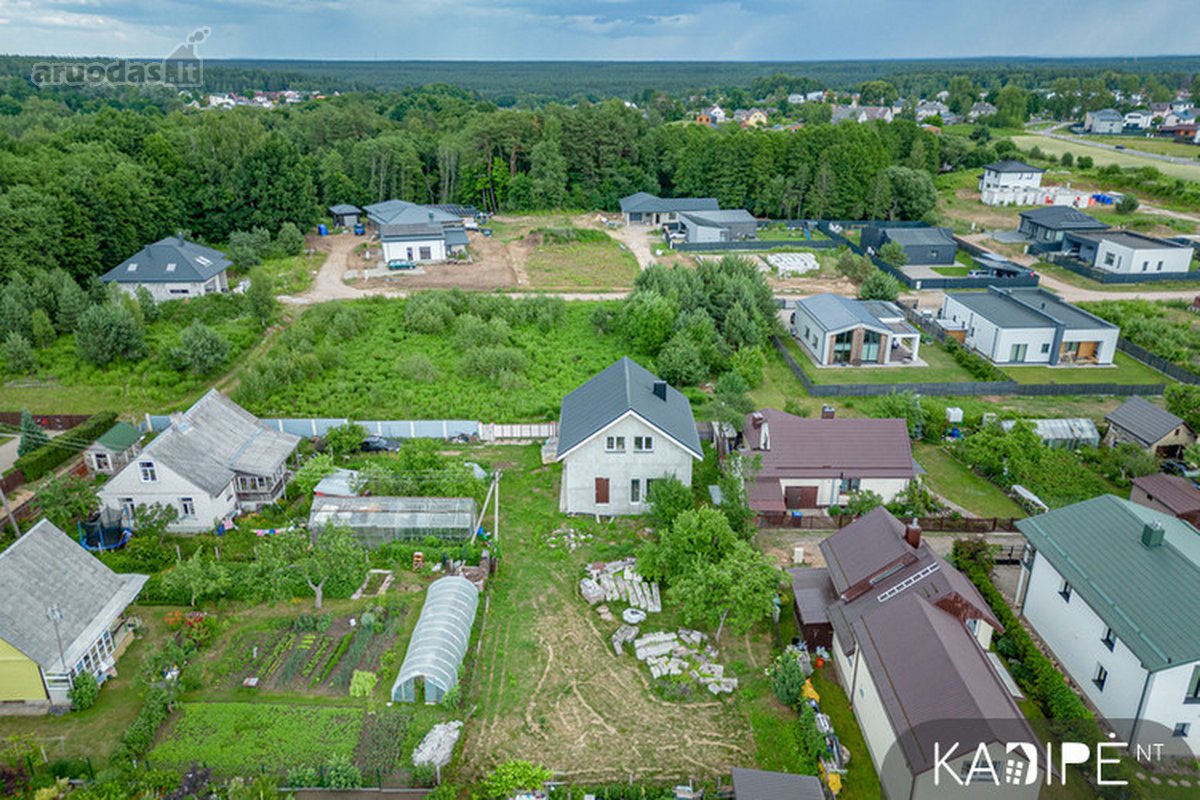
column 800, row 497
column 601, row 491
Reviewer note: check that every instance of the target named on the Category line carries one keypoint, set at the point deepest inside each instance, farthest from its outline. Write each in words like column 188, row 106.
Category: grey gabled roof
column 1143, row 420
column 1063, row 218
column 834, row 312
column 216, row 438
column 344, row 208
column 402, row 212
column 644, row 202
column 46, row 568
column 1110, row 114
column 1011, row 165
column 170, row 260
column 622, row 387
column 757, row 784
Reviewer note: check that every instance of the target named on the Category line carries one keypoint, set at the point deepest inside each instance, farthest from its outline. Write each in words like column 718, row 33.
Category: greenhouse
column 375, row 521
column 439, row 641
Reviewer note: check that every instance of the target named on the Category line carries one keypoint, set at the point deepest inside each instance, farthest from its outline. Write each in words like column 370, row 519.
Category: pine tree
column 32, row 435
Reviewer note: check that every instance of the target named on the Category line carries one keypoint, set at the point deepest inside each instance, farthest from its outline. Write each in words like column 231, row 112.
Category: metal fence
column 308, row 427
column 751, row 245
column 823, row 522
column 1157, row 362
column 1104, row 276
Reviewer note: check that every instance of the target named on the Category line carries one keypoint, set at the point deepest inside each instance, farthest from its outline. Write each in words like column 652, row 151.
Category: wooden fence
column 822, row 522
column 51, row 422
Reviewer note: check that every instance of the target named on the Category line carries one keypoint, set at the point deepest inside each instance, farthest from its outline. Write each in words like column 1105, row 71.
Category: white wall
column 1107, row 337
column 1010, row 180
column 399, row 251
column 827, row 488
column 1127, row 260
column 169, row 489
column 179, row 291
column 1164, row 704
column 589, row 461
column 701, row 233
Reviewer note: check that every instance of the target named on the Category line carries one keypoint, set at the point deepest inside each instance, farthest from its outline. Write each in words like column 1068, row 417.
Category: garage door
column 800, row 497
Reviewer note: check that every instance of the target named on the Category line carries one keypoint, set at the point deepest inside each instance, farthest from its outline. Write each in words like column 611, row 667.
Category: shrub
column 84, row 691
column 289, row 241
column 32, row 435
column 41, row 329
column 1127, row 204
column 18, row 353
column 879, row 286
column 417, row 367
column 980, row 368
column 200, row 351
column 855, row 267
column 680, row 362
column 344, row 439
column 107, row 333
column 340, row 773
column 511, row 777
column 788, row 677
column 428, row 312
column 491, row 362
column 48, row 456
column 1085, row 162
column 893, row 253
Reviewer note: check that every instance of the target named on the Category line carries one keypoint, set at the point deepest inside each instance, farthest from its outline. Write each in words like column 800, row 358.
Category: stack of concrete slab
column 624, row 634
column 621, row 581
column 671, row 653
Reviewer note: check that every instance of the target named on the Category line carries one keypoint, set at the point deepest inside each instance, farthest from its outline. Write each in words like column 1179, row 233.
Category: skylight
column 132, row 267
column 171, row 267
column 203, row 260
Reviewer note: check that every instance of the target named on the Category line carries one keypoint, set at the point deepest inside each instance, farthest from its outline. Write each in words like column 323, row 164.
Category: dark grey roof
column 757, row 784
column 456, row 236
column 919, row 237
column 1130, row 239
column 46, row 568
column 1110, row 114
column 344, row 208
column 625, row 386
column 644, row 202
column 1028, row 308
column 1143, row 420
column 813, row 593
column 402, row 212
column 170, row 260
column 834, row 312
column 721, row 218
column 398, row 232
column 1011, row 165
column 1063, row 218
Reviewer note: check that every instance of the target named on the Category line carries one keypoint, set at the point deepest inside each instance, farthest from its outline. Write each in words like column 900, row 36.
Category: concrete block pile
column 567, row 538
column 619, row 580
column 672, row 653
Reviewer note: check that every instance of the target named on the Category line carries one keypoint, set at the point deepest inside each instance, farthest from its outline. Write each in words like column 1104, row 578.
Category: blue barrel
column 322, row 229
column 360, row 229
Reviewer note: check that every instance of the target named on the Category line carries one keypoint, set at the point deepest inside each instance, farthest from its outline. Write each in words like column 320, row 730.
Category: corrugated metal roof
column 1143, row 420
column 119, row 437
column 1149, row 596
column 757, row 784
column 644, row 202
column 1178, row 494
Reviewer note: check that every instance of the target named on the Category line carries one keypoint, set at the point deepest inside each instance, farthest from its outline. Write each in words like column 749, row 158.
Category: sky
column 699, row 30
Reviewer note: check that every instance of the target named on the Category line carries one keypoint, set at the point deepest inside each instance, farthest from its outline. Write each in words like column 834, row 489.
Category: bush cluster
column 980, row 368
column 53, row 454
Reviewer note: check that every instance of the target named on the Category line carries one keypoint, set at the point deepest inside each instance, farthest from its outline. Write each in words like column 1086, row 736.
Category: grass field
column 953, row 480
column 941, row 367
column 1102, row 156
column 860, row 779
column 1125, row 370
column 1066, row 276
column 293, row 274
column 596, row 261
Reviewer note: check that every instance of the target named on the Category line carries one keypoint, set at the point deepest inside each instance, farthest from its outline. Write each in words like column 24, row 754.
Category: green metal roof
column 1149, row 596
column 119, row 437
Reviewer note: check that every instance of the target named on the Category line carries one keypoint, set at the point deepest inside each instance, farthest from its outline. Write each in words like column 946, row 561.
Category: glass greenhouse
column 439, row 641
column 378, row 520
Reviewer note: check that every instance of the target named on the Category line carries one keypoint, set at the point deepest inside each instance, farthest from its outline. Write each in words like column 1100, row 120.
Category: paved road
column 1050, row 134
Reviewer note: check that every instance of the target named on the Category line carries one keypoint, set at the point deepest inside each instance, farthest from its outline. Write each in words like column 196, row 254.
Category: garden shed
column 375, row 521
column 439, row 641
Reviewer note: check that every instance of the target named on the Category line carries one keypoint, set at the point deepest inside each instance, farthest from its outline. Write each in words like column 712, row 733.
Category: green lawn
column 941, row 367
column 1102, row 156
column 860, row 781
column 780, row 233
column 1074, row 279
column 952, row 272
column 953, row 480
column 1125, row 370
column 1165, row 147
column 601, row 264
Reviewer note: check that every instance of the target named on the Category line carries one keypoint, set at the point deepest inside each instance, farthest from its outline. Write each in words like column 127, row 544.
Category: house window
column 849, row 485
column 1064, row 591
column 1017, row 354
column 1109, row 638
column 1109, row 259
column 643, row 444
column 870, row 346
column 1101, row 677
column 1182, row 729
column 187, row 507
column 1159, row 267
column 127, row 506
column 635, row 491
column 614, row 444
column 101, row 460
column 1045, row 347
column 426, row 254
column 1193, row 691
column 842, row 345
column 149, row 475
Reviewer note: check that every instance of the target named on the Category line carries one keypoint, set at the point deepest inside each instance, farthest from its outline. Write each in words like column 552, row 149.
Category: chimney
column 828, row 412
column 1152, row 534
column 756, row 420
column 764, row 437
column 180, row 235
column 660, row 390
column 912, row 534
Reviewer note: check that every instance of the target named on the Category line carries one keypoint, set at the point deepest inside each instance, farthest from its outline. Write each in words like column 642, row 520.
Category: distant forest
column 510, row 83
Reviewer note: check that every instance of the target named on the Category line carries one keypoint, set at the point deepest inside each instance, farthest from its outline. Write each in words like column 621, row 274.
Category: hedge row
column 980, row 368
column 51, row 455
column 139, row 736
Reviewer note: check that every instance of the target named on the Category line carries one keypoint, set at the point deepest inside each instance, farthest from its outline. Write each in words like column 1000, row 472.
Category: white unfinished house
column 172, row 269
column 215, row 460
column 617, row 434
column 1113, row 589
column 1010, row 182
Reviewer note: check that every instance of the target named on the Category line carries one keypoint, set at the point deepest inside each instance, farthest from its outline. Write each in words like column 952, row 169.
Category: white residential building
column 1128, row 253
column 1010, row 182
column 172, row 269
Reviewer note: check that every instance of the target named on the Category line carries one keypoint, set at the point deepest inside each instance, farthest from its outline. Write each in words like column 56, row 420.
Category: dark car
column 379, row 444
column 1173, row 466
column 399, row 263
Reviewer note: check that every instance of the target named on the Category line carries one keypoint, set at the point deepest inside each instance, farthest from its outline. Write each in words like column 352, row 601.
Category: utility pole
column 55, row 615
column 8, row 513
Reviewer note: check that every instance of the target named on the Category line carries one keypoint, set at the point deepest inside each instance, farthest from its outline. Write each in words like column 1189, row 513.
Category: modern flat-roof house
column 909, row 638
column 1010, row 182
column 416, row 233
column 1140, row 422
column 345, row 215
column 1128, row 253
column 816, row 463
column 215, row 459
column 115, row 448
column 922, row 245
column 1028, row 326
column 1113, row 589
column 1047, row 227
column 647, row 209
column 1170, row 494
column 617, row 434
column 1104, row 121
column 172, row 269
column 730, row 225
column 62, row 613
column 837, row 330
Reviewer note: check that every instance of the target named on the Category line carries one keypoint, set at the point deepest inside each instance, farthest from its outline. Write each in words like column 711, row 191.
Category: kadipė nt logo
column 1024, row 762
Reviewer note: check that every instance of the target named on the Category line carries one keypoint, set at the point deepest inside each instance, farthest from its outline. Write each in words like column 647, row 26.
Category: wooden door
column 800, row 497
column 601, row 490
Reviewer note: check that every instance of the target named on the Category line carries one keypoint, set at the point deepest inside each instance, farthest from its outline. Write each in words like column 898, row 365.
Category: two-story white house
column 1113, row 589
column 214, row 460
column 1010, row 182
column 617, row 434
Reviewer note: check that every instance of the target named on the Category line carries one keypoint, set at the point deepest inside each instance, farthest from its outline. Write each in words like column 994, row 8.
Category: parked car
column 1173, row 466
column 379, row 444
column 397, row 263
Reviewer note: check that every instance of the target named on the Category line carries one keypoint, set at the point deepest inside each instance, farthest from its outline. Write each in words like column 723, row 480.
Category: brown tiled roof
column 814, row 594
column 1178, row 494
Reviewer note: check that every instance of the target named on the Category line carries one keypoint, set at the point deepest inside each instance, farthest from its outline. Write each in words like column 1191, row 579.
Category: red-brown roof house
column 816, row 463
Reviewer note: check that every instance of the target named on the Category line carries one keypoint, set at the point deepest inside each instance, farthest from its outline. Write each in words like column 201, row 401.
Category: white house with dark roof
column 1047, row 227
column 416, row 233
column 1027, row 326
column 172, row 269
column 1128, row 252
column 1010, row 182
column 727, row 225
column 837, row 330
column 647, row 209
column 62, row 613
column 214, row 460
column 617, row 434
column 1106, row 121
